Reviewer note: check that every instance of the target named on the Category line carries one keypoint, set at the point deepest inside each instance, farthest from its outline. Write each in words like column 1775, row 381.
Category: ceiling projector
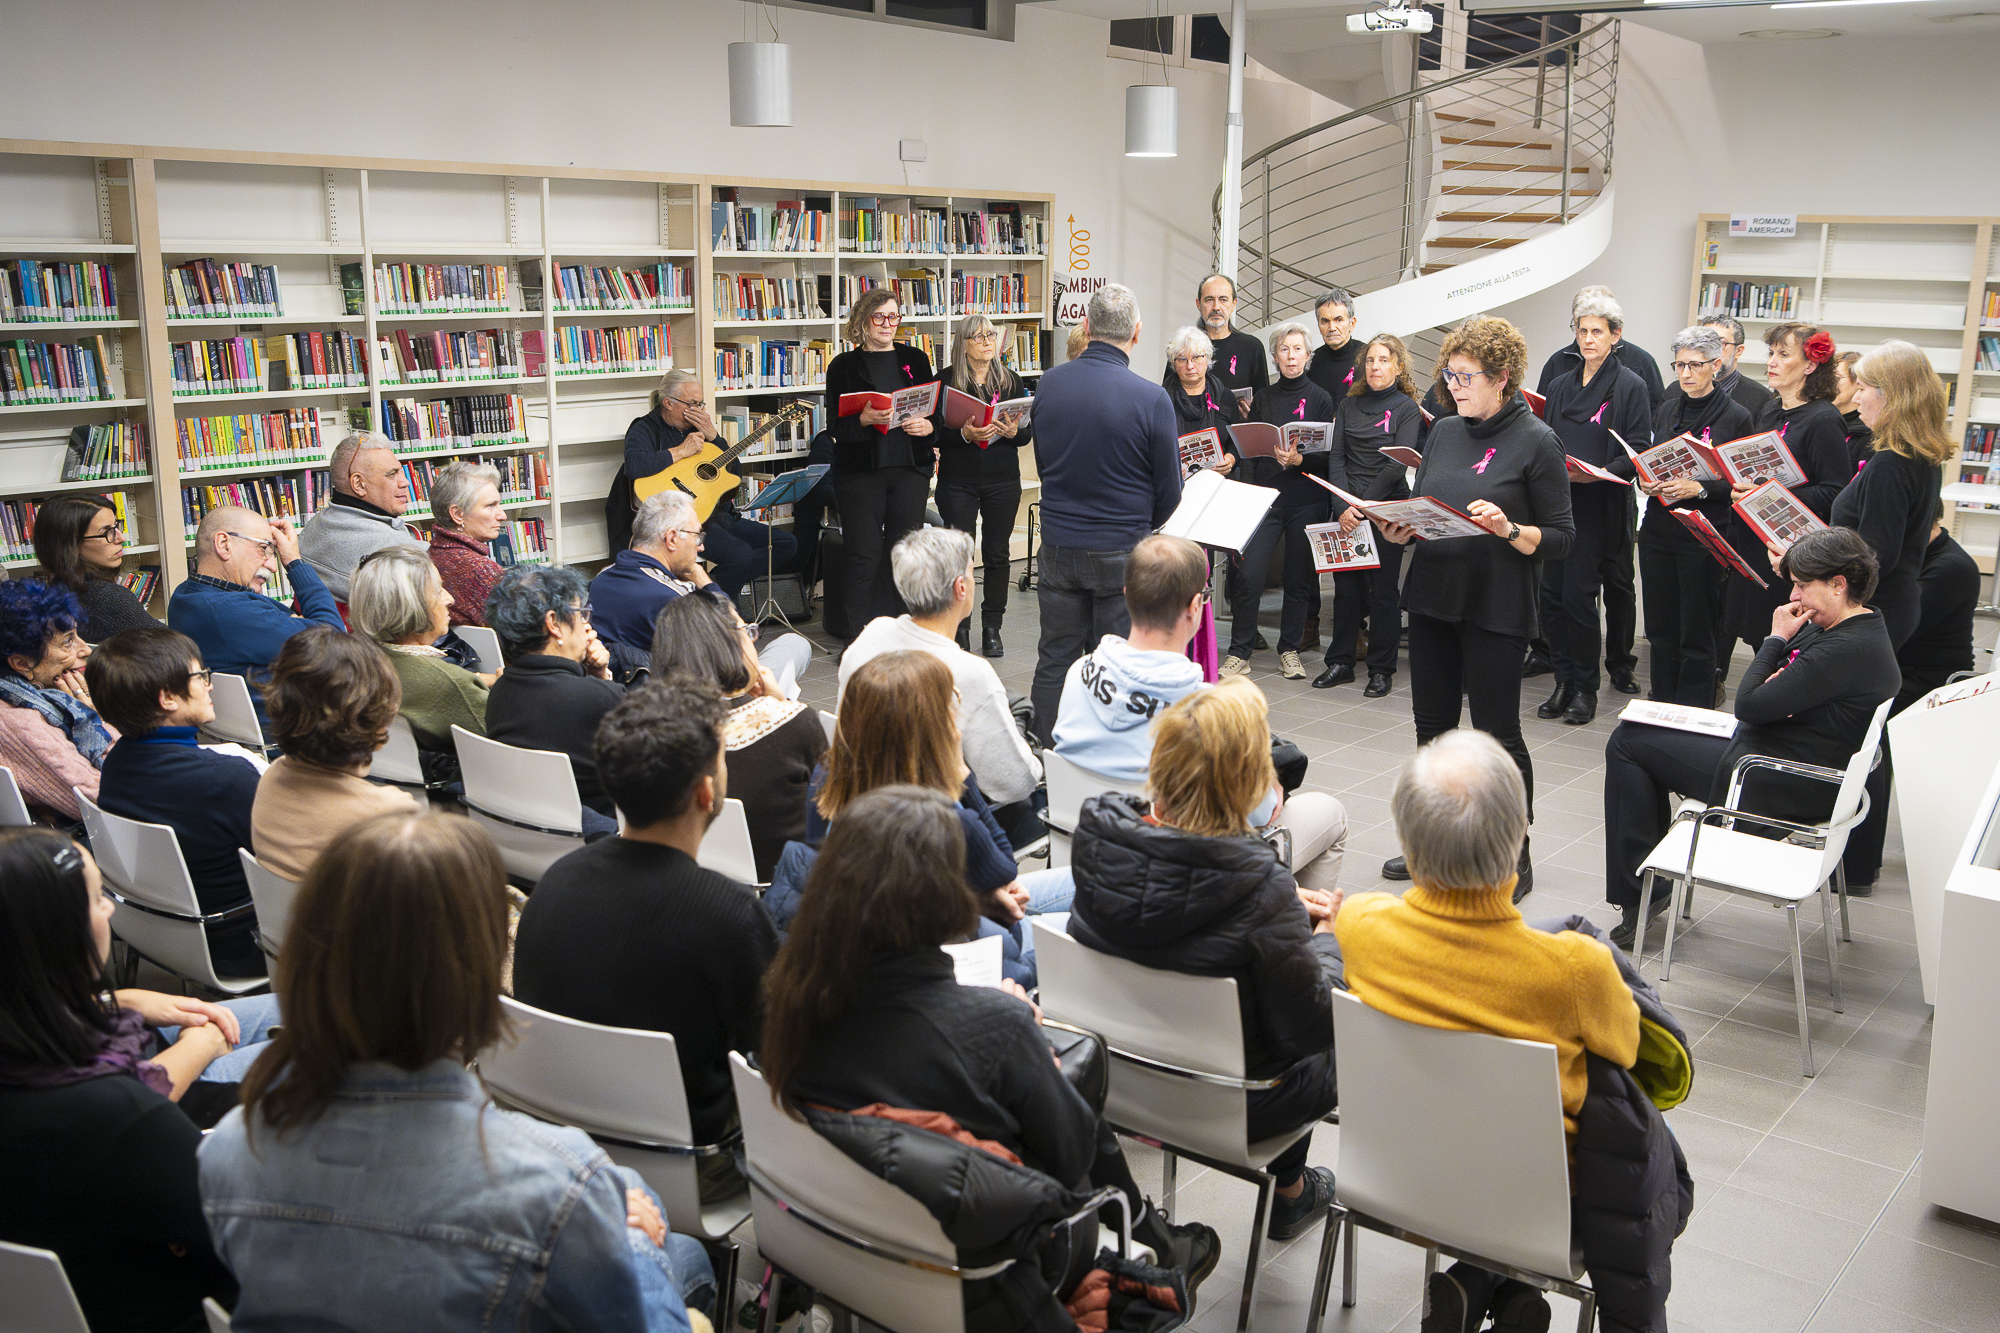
column 1390, row 20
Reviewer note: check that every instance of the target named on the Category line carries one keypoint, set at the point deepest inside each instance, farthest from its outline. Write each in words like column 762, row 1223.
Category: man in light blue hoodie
column 1113, row 692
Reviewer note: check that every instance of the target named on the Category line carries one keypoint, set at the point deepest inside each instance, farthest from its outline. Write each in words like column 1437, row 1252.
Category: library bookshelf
column 516, row 313
column 1934, row 282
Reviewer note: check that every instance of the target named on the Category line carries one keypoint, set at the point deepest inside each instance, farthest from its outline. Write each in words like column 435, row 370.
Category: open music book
column 1335, row 551
column 1670, row 460
column 1777, row 516
column 1712, row 541
column 1199, row 450
column 1216, row 511
column 962, row 409
column 1759, row 458
column 1260, row 439
column 903, row 406
column 1589, row 472
column 1431, row 519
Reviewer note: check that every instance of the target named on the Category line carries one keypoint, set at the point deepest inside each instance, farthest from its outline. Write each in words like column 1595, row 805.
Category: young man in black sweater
column 630, row 932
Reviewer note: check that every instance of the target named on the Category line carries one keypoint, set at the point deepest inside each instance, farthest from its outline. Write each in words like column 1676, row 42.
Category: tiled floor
column 1808, row 1208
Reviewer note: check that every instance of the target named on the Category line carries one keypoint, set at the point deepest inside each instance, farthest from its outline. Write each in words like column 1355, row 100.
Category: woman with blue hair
column 50, row 733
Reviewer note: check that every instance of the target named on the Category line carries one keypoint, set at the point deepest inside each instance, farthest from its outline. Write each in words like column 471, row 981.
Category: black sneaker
column 1192, row 1247
column 1519, row 1308
column 1395, row 868
column 1447, row 1312
column 1292, row 1217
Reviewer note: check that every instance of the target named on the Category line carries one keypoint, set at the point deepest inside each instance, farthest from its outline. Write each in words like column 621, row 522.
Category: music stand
column 787, row 488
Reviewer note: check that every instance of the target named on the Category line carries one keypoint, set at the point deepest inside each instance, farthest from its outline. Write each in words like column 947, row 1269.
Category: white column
column 1232, row 142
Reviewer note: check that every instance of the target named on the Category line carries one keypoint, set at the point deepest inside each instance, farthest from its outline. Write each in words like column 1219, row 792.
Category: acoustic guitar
column 705, row 477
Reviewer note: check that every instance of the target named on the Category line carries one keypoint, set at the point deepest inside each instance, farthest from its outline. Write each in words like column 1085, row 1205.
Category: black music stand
column 787, row 488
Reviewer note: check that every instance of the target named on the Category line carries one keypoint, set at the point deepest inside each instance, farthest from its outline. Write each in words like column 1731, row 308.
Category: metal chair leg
column 1266, row 1189
column 1799, row 991
column 1840, row 884
column 1586, row 1313
column 769, row 1323
column 1430, row 1271
column 1350, row 1265
column 1681, row 887
column 1645, row 917
column 726, row 1278
column 1329, row 1242
column 1832, row 948
column 1167, row 1181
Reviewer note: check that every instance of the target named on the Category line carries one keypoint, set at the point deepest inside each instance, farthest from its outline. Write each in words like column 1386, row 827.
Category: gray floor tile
column 1895, row 1036
column 1714, row 1148
column 1888, row 1084
column 1945, row 1288
column 1753, row 1101
column 1786, row 1237
column 1827, row 1120
column 1720, row 1293
column 1910, row 1217
column 1814, row 1178
column 1753, row 1050
column 1845, row 1314
column 1696, row 988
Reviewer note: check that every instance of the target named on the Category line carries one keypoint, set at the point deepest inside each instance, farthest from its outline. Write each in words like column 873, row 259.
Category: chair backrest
column 218, row 1318
column 726, row 848
column 828, row 721
column 142, row 861
column 397, row 760
column 39, row 1297
column 1070, row 784
column 484, row 642
column 623, row 1082
column 1457, row 1136
column 535, row 787
column 1173, row 1018
column 1856, row 776
column 272, row 894
column 235, row 713
column 13, row 806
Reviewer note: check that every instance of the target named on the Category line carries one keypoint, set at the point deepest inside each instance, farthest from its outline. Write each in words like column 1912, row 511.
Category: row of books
column 316, row 360
column 479, row 421
column 79, row 372
column 774, row 363
column 611, row 287
column 106, row 449
column 1030, row 349
column 1979, row 444
column 1989, row 354
column 522, row 541
column 142, row 581
column 790, row 225
column 757, row 296
column 17, row 524
column 991, row 294
column 298, row 435
column 212, row 289
column 919, row 291
column 886, row 226
column 524, row 478
column 626, row 349
column 298, row 497
column 449, row 354
column 739, row 420
column 46, row 291
column 1753, row 300
column 1002, row 230
column 218, row 365
column 1990, row 313
column 429, row 289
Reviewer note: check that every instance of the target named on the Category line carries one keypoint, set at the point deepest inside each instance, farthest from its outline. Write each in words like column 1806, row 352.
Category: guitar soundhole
column 706, row 472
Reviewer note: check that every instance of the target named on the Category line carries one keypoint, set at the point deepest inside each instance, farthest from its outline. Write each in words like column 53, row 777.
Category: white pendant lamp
column 1152, row 120
column 760, row 83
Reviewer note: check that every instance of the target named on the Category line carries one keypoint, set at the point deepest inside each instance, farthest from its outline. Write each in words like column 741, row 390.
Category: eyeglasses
column 266, row 547
column 750, row 631
column 1683, row 367
column 114, row 534
column 986, row 337
column 689, row 532
column 687, row 402
column 206, row 676
column 1190, row 360
column 1462, row 379
column 885, row 319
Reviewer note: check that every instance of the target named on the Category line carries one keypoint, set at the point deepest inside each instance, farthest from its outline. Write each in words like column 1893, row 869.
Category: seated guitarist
column 678, row 427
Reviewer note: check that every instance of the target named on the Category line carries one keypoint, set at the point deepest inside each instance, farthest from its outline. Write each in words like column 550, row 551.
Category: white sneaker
column 1235, row 666
column 1290, row 667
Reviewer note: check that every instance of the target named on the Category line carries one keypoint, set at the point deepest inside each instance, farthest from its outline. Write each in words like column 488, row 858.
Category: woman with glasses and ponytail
column 1471, row 600
column 881, row 476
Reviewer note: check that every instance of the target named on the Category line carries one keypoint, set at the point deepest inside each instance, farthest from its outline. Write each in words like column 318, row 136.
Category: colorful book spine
column 440, row 289
column 299, row 435
column 440, row 424
column 48, row 291
column 33, row 373
column 208, row 289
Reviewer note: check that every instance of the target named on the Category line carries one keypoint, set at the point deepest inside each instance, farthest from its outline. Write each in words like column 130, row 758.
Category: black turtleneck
column 1368, row 422
column 1211, row 409
column 1295, row 399
column 1713, row 418
column 1337, row 369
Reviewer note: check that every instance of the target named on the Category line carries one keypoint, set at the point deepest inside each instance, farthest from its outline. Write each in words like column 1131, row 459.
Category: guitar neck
column 735, row 451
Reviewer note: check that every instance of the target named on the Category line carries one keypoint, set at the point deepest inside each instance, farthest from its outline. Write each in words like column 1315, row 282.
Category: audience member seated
column 50, row 733
column 897, row 726
column 1453, row 952
column 364, row 513
column 332, row 697
column 465, row 516
column 629, row 932
column 81, row 546
column 367, row 1168
column 557, row 686
column 89, row 1081
column 1114, row 692
column 933, row 572
column 222, row 605
column 400, row 602
column 774, row 743
column 863, row 1010
column 1808, row 695
column 1182, row 884
column 150, row 685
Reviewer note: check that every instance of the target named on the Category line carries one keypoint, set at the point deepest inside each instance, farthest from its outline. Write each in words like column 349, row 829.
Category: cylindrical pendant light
column 1151, row 121
column 760, row 83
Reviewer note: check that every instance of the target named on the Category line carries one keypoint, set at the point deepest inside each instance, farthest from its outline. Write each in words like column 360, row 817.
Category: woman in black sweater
column 1860, row 439
column 1471, row 600
column 1809, row 695
column 81, row 546
column 1201, row 400
column 1683, row 583
column 1585, row 406
column 881, row 478
column 979, row 468
column 1292, row 398
column 1380, row 410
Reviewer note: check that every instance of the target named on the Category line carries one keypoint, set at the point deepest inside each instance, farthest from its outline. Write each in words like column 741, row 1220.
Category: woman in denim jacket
column 367, row 1181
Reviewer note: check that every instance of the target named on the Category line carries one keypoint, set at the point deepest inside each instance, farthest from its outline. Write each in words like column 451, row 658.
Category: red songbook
column 1759, row 458
column 1776, row 515
column 1712, row 541
column 1582, row 471
column 1399, row 453
column 1431, row 519
column 904, row 406
column 1535, row 402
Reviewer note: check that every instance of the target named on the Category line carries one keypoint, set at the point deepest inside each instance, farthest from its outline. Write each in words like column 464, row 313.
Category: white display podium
column 1947, row 746
column 1961, row 1150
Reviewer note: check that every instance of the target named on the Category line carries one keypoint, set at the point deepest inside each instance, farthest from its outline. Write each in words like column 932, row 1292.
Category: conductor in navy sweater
column 1109, row 458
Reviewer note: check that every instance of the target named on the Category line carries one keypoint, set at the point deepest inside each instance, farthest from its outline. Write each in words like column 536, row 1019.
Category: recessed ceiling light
column 1791, row 34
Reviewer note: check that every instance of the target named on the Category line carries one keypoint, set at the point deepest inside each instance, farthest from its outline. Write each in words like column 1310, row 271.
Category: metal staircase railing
column 1504, row 134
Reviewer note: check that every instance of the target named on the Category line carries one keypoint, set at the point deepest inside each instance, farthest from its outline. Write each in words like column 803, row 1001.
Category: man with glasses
column 363, row 514
column 679, row 427
column 1750, row 395
column 223, row 607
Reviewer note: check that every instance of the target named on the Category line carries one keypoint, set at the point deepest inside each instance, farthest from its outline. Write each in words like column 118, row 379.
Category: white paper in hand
column 976, row 962
column 1216, row 511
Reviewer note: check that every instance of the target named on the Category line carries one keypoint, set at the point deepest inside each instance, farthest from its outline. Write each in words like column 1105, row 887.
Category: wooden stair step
column 1499, row 217
column 1475, row 242
column 1521, row 191
column 1465, row 120
column 1437, row 268
column 1451, row 164
column 1496, row 143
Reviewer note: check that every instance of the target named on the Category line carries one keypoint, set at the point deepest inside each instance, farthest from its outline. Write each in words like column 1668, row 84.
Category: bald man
column 222, row 605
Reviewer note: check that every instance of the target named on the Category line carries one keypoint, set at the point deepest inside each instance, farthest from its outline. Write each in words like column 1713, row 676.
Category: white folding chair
column 824, row 1220
column 235, row 714
column 829, row 722
column 726, row 848
column 1070, row 784
column 156, row 912
column 218, row 1318
column 623, row 1087
column 39, row 1296
column 271, row 894
column 1177, row 1079
column 1703, row 849
column 526, row 799
column 1452, row 1141
column 13, row 806
column 397, row 763
column 484, row 642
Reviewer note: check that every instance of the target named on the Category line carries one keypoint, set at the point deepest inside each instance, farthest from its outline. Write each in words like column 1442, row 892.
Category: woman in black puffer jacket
column 1184, row 886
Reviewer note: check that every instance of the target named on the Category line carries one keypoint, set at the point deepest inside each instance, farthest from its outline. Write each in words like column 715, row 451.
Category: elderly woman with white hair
column 1587, row 408
column 1201, row 400
column 465, row 517
column 400, row 602
column 1300, row 502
